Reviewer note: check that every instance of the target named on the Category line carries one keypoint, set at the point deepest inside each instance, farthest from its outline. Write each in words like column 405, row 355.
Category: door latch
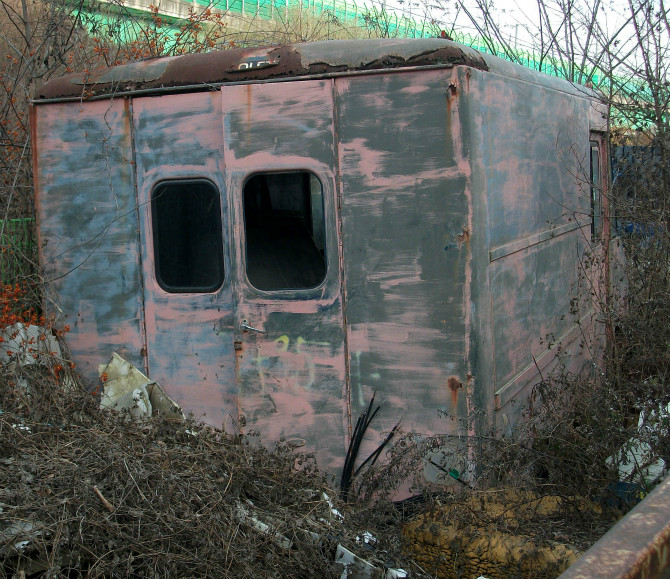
column 245, row 327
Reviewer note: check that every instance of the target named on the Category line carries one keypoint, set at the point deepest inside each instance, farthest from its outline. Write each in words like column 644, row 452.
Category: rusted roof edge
column 216, row 86
column 234, row 66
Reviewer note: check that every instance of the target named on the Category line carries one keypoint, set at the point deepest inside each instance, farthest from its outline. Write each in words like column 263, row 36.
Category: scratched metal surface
column 189, row 335
column 537, row 222
column 405, row 217
column 460, row 220
column 87, row 227
column 291, row 377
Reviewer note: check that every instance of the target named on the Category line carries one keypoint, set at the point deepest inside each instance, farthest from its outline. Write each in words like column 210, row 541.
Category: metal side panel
column 290, row 352
column 406, row 220
column 178, row 140
column 88, row 228
column 536, row 167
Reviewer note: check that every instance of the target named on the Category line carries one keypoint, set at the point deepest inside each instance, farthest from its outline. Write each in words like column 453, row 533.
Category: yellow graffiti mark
column 285, row 354
column 284, row 341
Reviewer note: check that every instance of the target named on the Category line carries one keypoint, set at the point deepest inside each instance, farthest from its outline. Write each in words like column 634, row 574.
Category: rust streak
column 464, row 237
column 454, row 385
column 259, row 64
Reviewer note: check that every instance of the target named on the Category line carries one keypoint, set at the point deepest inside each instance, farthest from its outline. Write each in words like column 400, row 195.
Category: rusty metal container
column 274, row 234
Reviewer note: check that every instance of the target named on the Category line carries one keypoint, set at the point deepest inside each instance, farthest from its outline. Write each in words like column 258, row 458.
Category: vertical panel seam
column 143, row 327
column 340, row 250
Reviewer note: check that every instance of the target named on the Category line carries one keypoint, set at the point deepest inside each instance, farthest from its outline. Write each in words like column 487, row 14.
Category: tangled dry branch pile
column 91, row 492
column 85, row 492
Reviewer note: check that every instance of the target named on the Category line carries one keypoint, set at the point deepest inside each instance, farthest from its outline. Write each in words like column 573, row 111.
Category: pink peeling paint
column 290, row 380
column 440, row 190
column 415, row 90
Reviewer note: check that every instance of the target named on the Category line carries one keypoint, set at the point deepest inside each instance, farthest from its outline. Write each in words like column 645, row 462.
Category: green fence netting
column 374, row 17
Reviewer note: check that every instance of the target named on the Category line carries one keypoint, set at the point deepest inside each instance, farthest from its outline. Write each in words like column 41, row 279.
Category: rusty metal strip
column 217, row 86
column 340, row 258
column 519, row 244
column 638, row 546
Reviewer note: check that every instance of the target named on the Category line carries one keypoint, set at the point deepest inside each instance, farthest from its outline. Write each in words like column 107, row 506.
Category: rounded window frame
column 216, row 229
column 276, row 292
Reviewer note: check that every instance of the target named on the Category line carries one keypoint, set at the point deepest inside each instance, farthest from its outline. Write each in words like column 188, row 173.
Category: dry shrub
column 563, row 442
column 641, row 195
column 295, row 24
column 596, row 442
column 86, row 492
column 578, row 432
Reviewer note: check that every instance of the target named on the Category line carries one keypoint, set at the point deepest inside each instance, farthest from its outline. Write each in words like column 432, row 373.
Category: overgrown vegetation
column 602, row 433
column 86, row 492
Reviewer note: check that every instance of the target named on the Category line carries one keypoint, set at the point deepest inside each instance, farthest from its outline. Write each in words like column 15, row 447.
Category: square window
column 285, row 231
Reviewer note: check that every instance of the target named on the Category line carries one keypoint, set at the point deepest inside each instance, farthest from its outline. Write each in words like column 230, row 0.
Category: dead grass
column 85, row 492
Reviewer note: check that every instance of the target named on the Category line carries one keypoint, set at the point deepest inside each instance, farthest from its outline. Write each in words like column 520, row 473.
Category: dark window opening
column 596, row 194
column 285, row 233
column 188, row 244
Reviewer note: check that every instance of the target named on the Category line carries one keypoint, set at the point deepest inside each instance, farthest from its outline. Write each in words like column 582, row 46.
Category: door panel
column 279, row 162
column 187, row 296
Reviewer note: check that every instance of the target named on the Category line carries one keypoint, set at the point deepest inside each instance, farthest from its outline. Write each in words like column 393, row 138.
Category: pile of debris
column 94, row 492
column 504, row 533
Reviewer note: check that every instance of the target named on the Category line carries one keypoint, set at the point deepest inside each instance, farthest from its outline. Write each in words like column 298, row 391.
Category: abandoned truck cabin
column 274, row 234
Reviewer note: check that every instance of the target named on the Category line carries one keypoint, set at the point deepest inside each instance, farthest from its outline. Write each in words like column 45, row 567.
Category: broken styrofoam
column 354, row 567
column 25, row 345
column 120, row 378
column 357, row 568
column 637, row 457
column 333, row 511
column 29, row 345
column 126, row 388
column 244, row 514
